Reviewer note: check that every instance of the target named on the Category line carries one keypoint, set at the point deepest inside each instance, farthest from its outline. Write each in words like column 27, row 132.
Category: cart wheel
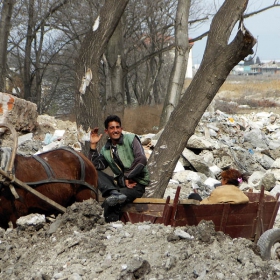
column 269, row 244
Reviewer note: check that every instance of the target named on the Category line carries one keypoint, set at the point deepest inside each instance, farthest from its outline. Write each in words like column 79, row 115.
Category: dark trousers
column 106, row 184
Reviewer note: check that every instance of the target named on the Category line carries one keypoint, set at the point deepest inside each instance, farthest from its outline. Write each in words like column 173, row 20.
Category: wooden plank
column 202, row 210
column 236, row 220
column 224, row 217
column 163, row 200
column 166, row 212
column 244, row 231
column 241, row 219
column 259, row 224
column 172, row 221
column 274, row 213
column 149, row 209
column 139, row 218
column 149, row 200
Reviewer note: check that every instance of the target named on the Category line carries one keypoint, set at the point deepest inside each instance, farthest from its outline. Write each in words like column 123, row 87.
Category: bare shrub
column 226, row 106
column 253, row 103
column 230, row 107
column 142, row 119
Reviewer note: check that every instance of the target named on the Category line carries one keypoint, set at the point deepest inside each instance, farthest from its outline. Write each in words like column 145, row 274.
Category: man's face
column 114, row 131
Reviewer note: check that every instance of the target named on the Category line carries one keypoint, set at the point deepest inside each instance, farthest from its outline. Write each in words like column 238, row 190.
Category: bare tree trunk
column 88, row 114
column 38, row 73
column 115, row 79
column 27, row 81
column 33, row 26
column 5, row 26
column 127, row 93
column 179, row 69
column 218, row 60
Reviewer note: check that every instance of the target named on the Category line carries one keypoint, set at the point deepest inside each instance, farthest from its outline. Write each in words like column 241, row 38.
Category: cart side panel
column 242, row 214
column 193, row 214
column 139, row 212
column 268, row 213
column 139, row 218
column 245, row 231
column 236, row 220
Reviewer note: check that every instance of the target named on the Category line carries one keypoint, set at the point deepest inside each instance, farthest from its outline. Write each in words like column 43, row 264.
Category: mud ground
column 80, row 245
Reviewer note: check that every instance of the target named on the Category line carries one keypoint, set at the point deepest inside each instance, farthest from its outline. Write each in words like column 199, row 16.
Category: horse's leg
column 12, row 223
column 18, row 209
column 84, row 193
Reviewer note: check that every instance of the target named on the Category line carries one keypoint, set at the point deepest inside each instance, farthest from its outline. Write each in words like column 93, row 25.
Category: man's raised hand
column 94, row 138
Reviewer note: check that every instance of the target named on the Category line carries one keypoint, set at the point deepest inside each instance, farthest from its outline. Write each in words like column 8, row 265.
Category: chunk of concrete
column 19, row 113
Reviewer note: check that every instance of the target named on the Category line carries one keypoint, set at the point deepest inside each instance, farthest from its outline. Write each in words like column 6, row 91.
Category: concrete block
column 19, row 113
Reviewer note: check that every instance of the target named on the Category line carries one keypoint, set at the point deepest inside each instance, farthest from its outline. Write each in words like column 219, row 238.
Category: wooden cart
column 250, row 220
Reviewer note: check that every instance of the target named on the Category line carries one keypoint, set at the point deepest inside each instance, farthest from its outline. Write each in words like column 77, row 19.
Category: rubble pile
column 79, row 245
column 249, row 143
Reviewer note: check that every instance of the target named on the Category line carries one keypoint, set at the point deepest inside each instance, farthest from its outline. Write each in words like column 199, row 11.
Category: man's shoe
column 116, row 198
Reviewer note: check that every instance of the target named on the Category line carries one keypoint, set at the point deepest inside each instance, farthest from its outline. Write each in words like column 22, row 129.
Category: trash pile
column 78, row 245
column 249, row 143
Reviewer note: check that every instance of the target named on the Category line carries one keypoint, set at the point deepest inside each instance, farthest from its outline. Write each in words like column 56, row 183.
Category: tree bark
column 88, row 109
column 115, row 78
column 218, row 60
column 179, row 69
column 5, row 26
column 27, row 80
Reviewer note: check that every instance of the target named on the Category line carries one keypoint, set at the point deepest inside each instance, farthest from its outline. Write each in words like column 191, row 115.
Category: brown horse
column 63, row 175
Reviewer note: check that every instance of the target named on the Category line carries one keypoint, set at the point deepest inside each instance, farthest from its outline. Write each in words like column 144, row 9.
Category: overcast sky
column 264, row 26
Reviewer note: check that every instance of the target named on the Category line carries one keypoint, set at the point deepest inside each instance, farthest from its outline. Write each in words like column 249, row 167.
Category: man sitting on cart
column 124, row 154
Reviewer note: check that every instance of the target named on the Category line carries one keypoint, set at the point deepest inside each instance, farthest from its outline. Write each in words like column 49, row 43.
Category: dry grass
column 258, row 92
column 242, row 86
column 142, row 119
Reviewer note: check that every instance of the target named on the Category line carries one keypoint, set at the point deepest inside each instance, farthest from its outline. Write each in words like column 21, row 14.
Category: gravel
column 80, row 245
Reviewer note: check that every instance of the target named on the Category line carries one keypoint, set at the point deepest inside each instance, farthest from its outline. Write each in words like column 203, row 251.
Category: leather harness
column 51, row 177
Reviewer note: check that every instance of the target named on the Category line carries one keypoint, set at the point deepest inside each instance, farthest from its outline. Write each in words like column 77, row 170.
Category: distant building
column 264, row 68
column 269, row 68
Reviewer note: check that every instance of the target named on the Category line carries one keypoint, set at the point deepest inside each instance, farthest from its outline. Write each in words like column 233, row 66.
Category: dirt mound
column 79, row 245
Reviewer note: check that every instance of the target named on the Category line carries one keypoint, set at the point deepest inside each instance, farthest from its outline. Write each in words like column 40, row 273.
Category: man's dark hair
column 112, row 118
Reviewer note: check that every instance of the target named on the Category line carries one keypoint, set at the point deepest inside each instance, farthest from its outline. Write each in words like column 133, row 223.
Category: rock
column 201, row 143
column 268, row 181
column 255, row 179
column 197, row 162
column 256, row 138
column 19, row 113
column 79, row 245
column 36, row 221
column 276, row 164
column 265, row 161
